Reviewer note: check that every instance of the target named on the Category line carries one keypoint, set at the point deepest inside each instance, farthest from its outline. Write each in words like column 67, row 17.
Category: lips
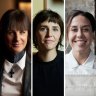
column 16, row 45
column 80, row 42
column 48, row 41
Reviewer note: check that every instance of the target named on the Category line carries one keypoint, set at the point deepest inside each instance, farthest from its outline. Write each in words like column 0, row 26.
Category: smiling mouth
column 16, row 45
column 82, row 41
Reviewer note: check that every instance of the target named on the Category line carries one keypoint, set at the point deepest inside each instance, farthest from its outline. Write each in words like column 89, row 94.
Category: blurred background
column 55, row 5
column 24, row 5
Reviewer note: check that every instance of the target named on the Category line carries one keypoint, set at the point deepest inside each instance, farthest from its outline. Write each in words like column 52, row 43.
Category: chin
column 16, row 51
column 81, row 50
column 50, row 48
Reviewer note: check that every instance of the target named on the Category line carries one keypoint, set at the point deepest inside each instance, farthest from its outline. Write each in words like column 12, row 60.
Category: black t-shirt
column 48, row 77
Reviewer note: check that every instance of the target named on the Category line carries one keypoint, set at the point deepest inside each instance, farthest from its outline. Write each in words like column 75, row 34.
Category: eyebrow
column 81, row 26
column 42, row 26
column 55, row 26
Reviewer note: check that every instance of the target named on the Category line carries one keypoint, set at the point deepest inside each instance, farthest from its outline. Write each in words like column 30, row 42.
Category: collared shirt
column 11, row 86
column 72, row 66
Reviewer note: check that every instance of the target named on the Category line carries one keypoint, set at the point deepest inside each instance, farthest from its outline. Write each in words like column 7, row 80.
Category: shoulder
column 68, row 55
column 69, row 60
column 36, row 59
column 60, row 53
column 60, row 56
column 28, row 57
column 94, row 65
column 35, row 55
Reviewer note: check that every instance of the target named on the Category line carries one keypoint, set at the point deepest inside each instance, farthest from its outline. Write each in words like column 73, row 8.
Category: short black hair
column 51, row 16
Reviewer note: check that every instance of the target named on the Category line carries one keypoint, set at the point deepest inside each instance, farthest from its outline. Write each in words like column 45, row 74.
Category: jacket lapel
column 27, row 77
column 1, row 74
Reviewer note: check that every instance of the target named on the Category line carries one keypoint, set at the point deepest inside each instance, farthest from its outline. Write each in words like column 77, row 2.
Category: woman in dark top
column 15, row 61
column 48, row 65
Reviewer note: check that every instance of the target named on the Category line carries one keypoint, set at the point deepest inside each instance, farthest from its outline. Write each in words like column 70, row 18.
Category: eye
column 10, row 32
column 22, row 32
column 43, row 29
column 74, row 29
column 85, row 29
column 55, row 29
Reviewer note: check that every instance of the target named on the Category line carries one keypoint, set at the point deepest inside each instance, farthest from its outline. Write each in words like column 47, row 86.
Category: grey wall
column 86, row 5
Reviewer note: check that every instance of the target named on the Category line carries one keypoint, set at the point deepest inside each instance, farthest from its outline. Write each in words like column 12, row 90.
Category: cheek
column 24, row 37
column 40, row 36
column 70, row 37
column 8, row 39
column 58, row 35
column 89, row 37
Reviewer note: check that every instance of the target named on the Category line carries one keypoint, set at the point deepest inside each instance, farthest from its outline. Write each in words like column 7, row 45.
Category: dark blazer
column 26, row 87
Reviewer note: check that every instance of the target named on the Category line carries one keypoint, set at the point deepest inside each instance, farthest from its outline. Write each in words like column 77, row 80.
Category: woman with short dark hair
column 48, row 71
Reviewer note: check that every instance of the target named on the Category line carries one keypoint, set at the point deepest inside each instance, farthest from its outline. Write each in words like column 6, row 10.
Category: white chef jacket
column 73, row 68
column 80, row 80
column 80, row 85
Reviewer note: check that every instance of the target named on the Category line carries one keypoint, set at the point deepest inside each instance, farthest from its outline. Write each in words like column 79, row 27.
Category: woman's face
column 16, row 40
column 48, row 35
column 80, row 34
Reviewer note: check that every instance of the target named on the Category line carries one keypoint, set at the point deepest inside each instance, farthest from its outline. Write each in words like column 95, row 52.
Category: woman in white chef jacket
column 80, row 62
column 80, row 28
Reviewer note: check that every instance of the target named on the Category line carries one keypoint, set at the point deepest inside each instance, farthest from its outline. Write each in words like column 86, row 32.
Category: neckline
column 46, row 63
column 14, row 58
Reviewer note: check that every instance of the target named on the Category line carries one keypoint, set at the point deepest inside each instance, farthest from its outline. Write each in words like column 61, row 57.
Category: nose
column 17, row 36
column 79, row 33
column 49, row 33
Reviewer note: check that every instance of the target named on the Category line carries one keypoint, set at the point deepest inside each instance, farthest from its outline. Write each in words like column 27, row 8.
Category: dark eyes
column 13, row 32
column 83, row 29
column 86, row 29
column 45, row 29
column 74, row 30
column 55, row 29
column 22, row 32
column 10, row 32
